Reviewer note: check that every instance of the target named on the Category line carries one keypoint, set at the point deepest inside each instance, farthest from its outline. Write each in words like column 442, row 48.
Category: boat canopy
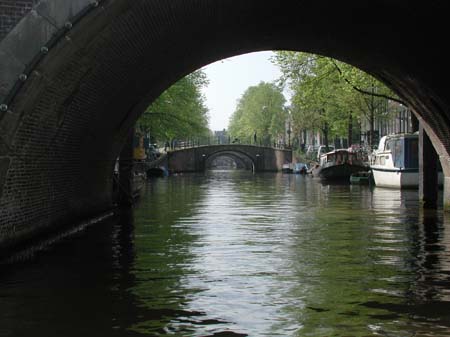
column 404, row 149
column 339, row 156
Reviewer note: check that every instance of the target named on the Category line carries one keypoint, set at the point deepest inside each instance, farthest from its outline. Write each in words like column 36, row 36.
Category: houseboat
column 339, row 164
column 395, row 163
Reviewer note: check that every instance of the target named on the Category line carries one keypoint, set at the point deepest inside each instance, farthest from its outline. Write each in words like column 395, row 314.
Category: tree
column 260, row 111
column 330, row 95
column 180, row 112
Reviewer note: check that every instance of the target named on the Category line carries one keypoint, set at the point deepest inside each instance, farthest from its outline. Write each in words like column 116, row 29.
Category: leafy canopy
column 326, row 92
column 260, row 109
column 180, row 112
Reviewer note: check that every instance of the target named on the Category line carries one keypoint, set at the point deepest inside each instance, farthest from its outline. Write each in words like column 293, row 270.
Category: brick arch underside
column 247, row 161
column 67, row 124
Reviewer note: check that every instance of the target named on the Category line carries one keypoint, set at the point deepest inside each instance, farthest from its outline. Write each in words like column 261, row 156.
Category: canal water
column 230, row 253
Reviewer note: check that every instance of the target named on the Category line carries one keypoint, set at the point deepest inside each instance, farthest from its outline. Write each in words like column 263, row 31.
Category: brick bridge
column 76, row 74
column 256, row 158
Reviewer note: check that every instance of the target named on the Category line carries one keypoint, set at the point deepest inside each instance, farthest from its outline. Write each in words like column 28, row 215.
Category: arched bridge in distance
column 256, row 158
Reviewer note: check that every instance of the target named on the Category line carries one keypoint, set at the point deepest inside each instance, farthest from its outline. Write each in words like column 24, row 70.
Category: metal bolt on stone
column 3, row 107
column 44, row 50
column 23, row 77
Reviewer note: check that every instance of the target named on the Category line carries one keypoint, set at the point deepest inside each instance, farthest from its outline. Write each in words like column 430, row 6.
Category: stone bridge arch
column 248, row 162
column 261, row 159
column 76, row 74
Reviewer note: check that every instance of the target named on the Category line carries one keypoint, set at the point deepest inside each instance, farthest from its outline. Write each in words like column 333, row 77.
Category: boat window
column 389, row 145
column 382, row 160
column 398, row 153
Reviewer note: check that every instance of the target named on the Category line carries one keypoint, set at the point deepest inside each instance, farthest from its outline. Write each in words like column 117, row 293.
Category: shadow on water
column 86, row 285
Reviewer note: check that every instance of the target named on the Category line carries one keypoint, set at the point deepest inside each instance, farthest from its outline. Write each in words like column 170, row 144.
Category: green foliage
column 327, row 92
column 260, row 109
column 180, row 112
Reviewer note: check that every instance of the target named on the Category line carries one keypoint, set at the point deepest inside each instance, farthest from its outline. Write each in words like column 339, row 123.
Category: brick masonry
column 263, row 159
column 11, row 11
column 66, row 125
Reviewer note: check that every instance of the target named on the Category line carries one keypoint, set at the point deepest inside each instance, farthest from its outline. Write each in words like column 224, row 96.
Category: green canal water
column 229, row 253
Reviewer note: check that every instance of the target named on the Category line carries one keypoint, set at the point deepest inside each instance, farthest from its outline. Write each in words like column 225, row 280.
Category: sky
column 228, row 80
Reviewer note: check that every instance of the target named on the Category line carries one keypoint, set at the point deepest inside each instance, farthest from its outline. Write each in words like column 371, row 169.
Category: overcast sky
column 229, row 78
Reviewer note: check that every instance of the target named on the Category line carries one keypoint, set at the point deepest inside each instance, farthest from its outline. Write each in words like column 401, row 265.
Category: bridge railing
column 178, row 144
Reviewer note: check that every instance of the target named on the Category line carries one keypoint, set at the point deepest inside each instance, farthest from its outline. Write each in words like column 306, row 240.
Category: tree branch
column 364, row 92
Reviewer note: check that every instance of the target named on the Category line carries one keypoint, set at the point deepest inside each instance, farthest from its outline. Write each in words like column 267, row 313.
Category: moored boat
column 300, row 168
column 287, row 168
column 395, row 163
column 339, row 165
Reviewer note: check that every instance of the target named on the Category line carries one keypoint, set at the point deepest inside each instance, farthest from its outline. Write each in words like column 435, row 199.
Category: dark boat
column 339, row 165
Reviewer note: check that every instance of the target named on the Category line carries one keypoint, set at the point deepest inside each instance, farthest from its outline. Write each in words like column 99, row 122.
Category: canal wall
column 44, row 183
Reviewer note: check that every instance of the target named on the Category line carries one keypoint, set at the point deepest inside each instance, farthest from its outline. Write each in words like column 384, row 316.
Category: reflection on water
column 236, row 254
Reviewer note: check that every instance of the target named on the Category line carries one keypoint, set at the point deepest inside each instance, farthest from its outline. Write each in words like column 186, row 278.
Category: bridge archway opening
column 74, row 90
column 229, row 161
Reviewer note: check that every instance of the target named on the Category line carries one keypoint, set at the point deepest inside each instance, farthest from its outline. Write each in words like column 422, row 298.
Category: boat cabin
column 337, row 157
column 400, row 151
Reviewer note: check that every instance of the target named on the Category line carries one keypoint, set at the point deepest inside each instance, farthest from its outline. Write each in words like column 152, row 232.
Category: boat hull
column 396, row 178
column 338, row 172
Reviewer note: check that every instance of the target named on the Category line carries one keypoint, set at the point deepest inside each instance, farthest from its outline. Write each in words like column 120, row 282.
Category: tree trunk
column 350, row 129
column 325, row 136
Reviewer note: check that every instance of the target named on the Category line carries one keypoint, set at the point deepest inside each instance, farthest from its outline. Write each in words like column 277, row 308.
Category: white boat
column 300, row 168
column 395, row 163
column 287, row 168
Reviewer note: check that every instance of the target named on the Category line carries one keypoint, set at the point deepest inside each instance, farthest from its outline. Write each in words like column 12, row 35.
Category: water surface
column 235, row 254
